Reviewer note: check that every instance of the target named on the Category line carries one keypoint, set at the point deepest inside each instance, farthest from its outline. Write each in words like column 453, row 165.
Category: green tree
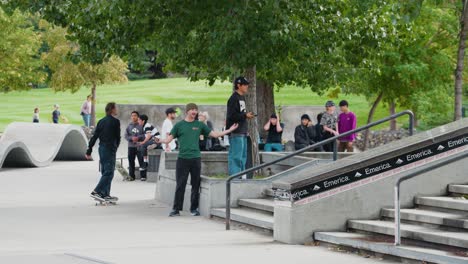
column 69, row 73
column 19, row 46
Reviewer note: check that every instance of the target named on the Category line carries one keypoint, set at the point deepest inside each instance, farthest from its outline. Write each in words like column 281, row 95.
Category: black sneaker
column 143, row 179
column 111, row 198
column 174, row 213
column 97, row 196
column 195, row 212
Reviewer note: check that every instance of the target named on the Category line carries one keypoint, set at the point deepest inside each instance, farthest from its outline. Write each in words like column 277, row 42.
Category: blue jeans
column 269, row 147
column 87, row 120
column 107, row 162
column 237, row 154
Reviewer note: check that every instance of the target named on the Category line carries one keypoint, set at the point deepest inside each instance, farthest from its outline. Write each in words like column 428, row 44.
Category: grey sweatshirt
column 134, row 130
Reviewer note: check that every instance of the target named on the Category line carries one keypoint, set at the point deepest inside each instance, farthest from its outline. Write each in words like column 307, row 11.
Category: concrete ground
column 47, row 216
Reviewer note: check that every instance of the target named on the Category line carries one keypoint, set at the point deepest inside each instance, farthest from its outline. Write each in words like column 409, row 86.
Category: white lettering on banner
column 457, row 142
column 378, row 176
column 335, row 182
column 419, row 155
column 299, row 194
column 379, row 168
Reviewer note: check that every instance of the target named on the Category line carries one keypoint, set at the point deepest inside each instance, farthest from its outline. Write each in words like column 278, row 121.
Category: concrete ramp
column 37, row 145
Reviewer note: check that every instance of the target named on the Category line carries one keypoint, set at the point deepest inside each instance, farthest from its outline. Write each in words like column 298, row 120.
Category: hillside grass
column 18, row 106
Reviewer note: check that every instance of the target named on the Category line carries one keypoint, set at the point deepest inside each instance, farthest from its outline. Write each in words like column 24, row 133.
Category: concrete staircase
column 436, row 231
column 253, row 212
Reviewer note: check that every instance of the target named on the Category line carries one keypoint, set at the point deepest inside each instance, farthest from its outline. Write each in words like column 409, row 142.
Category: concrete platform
column 48, row 217
column 367, row 242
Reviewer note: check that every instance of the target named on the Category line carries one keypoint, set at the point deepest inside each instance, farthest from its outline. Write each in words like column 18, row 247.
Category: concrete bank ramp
column 37, row 145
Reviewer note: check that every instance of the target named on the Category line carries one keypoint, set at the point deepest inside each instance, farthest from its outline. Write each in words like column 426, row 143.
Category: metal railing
column 318, row 144
column 412, row 174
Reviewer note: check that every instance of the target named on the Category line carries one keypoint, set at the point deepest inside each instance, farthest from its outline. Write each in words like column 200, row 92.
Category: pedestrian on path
column 86, row 111
column 134, row 134
column 108, row 133
column 188, row 133
column 36, row 115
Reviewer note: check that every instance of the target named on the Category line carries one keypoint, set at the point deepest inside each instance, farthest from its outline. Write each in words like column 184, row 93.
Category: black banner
column 378, row 168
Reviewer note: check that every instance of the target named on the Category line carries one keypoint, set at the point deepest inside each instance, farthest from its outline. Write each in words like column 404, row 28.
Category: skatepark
column 317, row 209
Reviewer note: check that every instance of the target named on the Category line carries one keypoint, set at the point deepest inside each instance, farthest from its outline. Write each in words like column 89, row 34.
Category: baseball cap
column 241, row 80
column 170, row 110
column 191, row 106
column 329, row 104
column 305, row 116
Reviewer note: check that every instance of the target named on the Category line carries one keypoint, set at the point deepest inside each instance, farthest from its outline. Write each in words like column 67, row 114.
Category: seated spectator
column 304, row 135
column 275, row 131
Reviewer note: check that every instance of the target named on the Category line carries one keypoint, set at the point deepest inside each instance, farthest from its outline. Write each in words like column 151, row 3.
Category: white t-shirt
column 166, row 129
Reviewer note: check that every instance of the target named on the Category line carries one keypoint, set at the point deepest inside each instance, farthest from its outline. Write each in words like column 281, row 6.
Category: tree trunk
column 393, row 122
column 251, row 98
column 93, row 105
column 265, row 104
column 460, row 60
column 371, row 116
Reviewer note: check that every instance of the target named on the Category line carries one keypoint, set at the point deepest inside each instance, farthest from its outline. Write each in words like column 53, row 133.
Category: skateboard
column 103, row 202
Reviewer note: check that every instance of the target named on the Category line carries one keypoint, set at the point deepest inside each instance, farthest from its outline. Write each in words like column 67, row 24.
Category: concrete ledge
column 366, row 242
column 37, row 145
column 246, row 216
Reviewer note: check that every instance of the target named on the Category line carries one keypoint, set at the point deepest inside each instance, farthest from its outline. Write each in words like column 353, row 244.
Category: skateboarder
column 188, row 133
column 108, row 133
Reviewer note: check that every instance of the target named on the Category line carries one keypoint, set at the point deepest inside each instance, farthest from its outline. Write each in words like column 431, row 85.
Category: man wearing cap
column 304, row 135
column 329, row 123
column 275, row 131
column 188, row 133
column 166, row 129
column 237, row 113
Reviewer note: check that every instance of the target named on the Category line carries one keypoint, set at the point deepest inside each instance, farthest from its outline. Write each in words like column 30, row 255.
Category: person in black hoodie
column 302, row 135
column 108, row 133
column 237, row 113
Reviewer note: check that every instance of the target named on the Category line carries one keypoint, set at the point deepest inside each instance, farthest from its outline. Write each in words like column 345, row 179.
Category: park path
column 46, row 216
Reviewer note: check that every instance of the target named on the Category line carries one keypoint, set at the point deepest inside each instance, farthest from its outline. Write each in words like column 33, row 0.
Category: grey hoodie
column 134, row 130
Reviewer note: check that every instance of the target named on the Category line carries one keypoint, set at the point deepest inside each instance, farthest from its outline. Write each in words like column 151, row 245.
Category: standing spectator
column 224, row 141
column 205, row 143
column 275, row 131
column 329, row 123
column 346, row 122
column 56, row 114
column 133, row 134
column 36, row 115
column 188, row 132
column 304, row 135
column 86, row 111
column 318, row 128
column 149, row 131
column 237, row 113
column 166, row 129
column 108, row 133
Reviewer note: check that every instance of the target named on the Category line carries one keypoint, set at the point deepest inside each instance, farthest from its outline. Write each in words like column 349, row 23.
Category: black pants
column 183, row 168
column 132, row 153
column 327, row 147
column 107, row 163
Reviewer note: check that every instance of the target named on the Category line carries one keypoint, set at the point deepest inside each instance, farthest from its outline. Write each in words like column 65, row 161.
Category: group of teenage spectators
column 329, row 124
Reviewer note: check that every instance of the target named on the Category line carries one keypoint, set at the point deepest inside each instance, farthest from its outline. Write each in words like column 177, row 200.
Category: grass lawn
column 18, row 106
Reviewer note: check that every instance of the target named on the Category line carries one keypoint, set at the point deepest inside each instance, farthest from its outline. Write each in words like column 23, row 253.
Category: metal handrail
column 414, row 173
column 297, row 152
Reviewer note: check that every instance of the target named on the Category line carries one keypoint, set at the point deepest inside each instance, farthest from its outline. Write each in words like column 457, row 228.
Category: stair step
column 374, row 244
column 458, row 188
column 267, row 205
column 416, row 232
column 447, row 202
column 269, row 192
column 247, row 216
column 458, row 220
